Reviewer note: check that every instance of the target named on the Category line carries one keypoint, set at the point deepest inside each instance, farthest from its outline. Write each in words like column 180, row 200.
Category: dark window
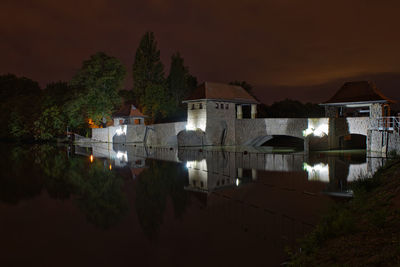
column 227, row 106
column 200, row 106
column 192, row 106
column 201, row 184
column 216, row 105
column 222, row 106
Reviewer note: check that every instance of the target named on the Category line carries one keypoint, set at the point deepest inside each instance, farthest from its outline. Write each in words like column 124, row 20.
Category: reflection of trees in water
column 154, row 185
column 29, row 169
column 20, row 177
column 99, row 194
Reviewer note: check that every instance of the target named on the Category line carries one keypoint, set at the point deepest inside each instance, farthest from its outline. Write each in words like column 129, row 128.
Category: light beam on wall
column 121, row 130
column 317, row 127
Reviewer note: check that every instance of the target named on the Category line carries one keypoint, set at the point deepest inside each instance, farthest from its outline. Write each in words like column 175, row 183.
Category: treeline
column 286, row 108
column 93, row 94
column 289, row 108
column 28, row 112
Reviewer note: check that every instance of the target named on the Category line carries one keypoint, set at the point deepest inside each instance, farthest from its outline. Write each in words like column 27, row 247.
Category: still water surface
column 104, row 205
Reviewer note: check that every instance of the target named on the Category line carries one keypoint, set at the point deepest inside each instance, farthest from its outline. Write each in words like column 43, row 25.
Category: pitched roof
column 220, row 91
column 128, row 110
column 359, row 91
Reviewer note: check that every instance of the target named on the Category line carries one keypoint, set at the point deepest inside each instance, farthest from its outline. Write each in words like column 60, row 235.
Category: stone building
column 362, row 99
column 358, row 99
column 213, row 109
column 128, row 114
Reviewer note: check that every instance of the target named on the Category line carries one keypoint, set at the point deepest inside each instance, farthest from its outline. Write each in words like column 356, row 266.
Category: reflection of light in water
column 198, row 175
column 199, row 165
column 91, row 158
column 121, row 130
column 319, row 172
column 122, row 155
column 357, row 171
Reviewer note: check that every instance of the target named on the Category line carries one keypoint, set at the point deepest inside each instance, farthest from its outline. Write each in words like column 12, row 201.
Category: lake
column 105, row 205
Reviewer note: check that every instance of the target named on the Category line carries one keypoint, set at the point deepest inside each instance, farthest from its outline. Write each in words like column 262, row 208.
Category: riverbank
column 362, row 232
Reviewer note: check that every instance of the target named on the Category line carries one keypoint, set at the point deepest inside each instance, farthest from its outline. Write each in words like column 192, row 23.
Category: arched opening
column 285, row 141
column 353, row 141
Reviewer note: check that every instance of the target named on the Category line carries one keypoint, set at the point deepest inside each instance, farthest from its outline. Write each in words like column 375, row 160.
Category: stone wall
column 394, row 143
column 157, row 134
column 381, row 143
column 218, row 120
column 375, row 110
column 251, row 129
column 197, row 117
column 164, row 134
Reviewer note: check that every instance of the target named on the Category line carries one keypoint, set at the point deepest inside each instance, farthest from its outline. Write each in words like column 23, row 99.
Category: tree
column 50, row 124
column 180, row 85
column 147, row 68
column 19, row 106
column 96, row 84
column 156, row 102
column 180, row 82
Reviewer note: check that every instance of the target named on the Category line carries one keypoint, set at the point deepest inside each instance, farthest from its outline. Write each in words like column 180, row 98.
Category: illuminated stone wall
column 164, row 134
column 218, row 120
column 197, row 117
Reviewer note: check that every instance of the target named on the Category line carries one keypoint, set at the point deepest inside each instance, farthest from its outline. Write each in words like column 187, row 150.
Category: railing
column 388, row 124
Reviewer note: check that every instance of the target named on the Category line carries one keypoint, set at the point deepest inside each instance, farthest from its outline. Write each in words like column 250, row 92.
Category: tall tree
column 180, row 82
column 147, row 67
column 98, row 82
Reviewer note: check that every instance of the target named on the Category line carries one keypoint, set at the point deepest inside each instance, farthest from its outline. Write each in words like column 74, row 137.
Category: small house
column 358, row 99
column 128, row 114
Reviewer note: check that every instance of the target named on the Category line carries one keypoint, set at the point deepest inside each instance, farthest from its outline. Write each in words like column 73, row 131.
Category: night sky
column 302, row 50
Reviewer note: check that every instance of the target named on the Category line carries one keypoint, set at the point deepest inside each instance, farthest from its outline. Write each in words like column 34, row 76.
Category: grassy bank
column 362, row 232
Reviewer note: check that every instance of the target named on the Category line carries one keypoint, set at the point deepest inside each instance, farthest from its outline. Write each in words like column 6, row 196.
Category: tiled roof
column 359, row 91
column 128, row 110
column 220, row 91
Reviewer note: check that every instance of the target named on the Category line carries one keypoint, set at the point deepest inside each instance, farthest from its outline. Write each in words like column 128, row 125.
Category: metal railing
column 388, row 124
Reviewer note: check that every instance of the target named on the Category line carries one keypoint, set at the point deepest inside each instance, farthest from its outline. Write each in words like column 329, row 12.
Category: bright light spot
column 121, row 130
column 237, row 182
column 319, row 172
column 316, row 128
column 91, row 158
column 308, row 131
column 122, row 156
column 194, row 125
column 321, row 130
column 110, row 167
column 190, row 127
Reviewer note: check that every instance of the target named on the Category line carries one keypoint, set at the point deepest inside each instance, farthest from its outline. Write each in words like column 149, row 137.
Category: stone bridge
column 255, row 132
column 317, row 133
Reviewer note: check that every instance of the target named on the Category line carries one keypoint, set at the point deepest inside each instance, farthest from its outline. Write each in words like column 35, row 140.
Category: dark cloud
column 285, row 48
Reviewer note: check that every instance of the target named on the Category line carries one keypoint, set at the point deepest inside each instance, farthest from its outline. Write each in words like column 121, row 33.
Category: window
column 216, row 105
column 222, row 106
column 201, row 106
column 226, row 106
column 192, row 106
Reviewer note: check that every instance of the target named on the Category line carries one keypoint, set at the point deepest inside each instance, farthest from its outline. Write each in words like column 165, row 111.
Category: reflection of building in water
column 211, row 170
column 319, row 172
column 205, row 177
